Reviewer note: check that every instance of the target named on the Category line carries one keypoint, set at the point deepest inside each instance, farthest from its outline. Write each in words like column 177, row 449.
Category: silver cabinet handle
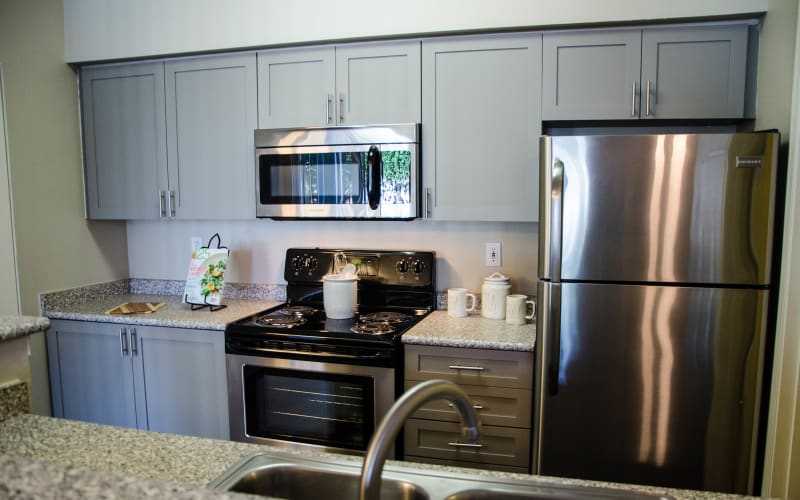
column 477, row 406
column 647, row 102
column 171, row 204
column 633, row 99
column 426, row 210
column 134, row 343
column 162, row 204
column 329, row 98
column 123, row 341
column 469, row 368
column 465, row 445
column 341, row 107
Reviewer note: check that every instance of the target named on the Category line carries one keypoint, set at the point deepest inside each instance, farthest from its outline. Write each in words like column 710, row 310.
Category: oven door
column 328, row 406
column 337, row 182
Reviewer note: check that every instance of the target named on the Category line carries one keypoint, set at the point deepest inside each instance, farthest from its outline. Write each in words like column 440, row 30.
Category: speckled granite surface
column 473, row 331
column 90, row 303
column 12, row 326
column 14, row 399
column 81, row 459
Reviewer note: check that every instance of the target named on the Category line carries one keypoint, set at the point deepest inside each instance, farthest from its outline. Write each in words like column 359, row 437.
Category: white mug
column 457, row 302
column 517, row 309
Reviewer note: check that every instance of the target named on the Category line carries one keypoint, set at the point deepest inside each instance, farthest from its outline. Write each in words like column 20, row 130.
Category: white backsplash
column 161, row 250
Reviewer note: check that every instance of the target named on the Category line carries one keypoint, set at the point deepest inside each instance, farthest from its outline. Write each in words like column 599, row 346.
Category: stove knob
column 402, row 266
column 418, row 266
column 311, row 263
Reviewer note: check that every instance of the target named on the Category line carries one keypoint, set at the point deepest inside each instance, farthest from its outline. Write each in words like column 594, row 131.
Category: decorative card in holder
column 206, row 276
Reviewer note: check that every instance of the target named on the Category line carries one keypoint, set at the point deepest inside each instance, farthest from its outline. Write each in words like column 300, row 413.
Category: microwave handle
column 374, row 165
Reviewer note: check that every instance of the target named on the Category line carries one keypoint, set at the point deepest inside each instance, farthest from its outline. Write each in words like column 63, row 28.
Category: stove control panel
column 384, row 267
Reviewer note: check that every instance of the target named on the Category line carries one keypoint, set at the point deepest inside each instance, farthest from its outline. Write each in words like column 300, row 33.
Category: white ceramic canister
column 339, row 294
column 494, row 291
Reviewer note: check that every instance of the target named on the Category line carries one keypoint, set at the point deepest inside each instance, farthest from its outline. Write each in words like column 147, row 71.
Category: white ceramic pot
column 494, row 291
column 339, row 294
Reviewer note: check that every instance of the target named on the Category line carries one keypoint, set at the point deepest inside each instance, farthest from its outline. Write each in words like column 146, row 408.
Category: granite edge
column 12, row 327
column 468, row 343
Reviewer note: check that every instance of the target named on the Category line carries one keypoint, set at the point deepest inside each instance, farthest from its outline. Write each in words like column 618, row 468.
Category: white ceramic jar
column 339, row 293
column 494, row 291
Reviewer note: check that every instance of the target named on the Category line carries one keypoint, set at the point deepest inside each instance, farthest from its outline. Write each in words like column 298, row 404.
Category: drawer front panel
column 470, row 366
column 495, row 405
column 458, row 463
column 499, row 445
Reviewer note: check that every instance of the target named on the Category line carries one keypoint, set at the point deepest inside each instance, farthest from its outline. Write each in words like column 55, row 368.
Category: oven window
column 309, row 407
column 330, row 178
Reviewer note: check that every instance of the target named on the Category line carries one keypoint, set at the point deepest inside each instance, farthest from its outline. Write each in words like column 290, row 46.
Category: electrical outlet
column 197, row 242
column 493, row 254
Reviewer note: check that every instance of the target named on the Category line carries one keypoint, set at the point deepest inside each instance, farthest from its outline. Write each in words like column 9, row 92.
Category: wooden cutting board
column 137, row 308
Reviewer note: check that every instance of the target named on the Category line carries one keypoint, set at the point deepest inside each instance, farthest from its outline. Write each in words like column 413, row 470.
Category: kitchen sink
column 293, row 477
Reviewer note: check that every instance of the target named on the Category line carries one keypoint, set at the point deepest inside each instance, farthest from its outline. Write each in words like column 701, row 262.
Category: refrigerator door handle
column 553, row 331
column 551, row 185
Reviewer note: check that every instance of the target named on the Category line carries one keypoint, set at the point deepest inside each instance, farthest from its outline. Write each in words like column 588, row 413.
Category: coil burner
column 373, row 328
column 281, row 320
column 298, row 310
column 384, row 317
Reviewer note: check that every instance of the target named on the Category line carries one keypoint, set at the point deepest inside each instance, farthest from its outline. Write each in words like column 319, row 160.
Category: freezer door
column 658, row 208
column 649, row 384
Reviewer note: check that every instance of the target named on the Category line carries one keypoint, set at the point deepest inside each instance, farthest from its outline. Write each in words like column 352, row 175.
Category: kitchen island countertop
column 12, row 326
column 473, row 331
column 43, row 457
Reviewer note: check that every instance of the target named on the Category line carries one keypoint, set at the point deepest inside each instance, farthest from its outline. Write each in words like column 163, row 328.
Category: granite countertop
column 473, row 331
column 12, row 326
column 43, row 457
column 91, row 303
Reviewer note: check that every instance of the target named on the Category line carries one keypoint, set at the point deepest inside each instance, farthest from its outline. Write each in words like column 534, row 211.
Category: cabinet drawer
column 496, row 406
column 499, row 445
column 458, row 463
column 482, row 367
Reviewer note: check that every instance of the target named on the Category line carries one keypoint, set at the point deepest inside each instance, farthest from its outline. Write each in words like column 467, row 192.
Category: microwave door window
column 316, row 178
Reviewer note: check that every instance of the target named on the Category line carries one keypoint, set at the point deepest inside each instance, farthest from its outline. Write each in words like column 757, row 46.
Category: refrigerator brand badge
column 749, row 161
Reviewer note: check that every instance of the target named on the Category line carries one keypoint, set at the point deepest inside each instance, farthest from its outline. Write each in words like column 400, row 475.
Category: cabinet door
column 481, row 123
column 211, row 115
column 91, row 377
column 378, row 83
column 296, row 87
column 182, row 381
column 696, row 72
column 591, row 75
column 124, row 140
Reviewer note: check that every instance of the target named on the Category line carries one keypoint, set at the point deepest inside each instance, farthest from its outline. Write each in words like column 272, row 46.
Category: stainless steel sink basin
column 297, row 477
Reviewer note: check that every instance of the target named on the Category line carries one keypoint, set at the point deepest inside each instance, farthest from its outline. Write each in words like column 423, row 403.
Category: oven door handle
column 237, row 347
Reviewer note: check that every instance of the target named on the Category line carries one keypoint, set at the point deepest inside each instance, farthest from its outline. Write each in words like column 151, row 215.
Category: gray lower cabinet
column 160, row 379
column 481, row 119
column 352, row 84
column 499, row 383
column 667, row 73
column 174, row 139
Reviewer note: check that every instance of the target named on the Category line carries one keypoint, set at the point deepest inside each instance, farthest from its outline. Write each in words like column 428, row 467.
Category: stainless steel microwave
column 360, row 172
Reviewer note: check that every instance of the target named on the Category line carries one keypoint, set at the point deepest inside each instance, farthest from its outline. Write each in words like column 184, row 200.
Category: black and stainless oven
column 300, row 379
column 355, row 172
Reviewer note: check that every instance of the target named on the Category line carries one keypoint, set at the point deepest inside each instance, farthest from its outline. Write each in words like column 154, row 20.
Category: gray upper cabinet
column 125, row 143
column 694, row 72
column 378, row 83
column 354, row 84
column 591, row 75
column 296, row 87
column 211, row 114
column 481, row 119
column 161, row 379
column 672, row 72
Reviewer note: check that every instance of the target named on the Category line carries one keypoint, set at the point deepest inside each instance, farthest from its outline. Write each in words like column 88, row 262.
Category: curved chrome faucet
column 391, row 424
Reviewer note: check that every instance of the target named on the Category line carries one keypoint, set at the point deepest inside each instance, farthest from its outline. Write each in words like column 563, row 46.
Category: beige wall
column 56, row 247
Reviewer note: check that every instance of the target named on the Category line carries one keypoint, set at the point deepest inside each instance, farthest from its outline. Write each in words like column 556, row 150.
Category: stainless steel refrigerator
column 654, row 278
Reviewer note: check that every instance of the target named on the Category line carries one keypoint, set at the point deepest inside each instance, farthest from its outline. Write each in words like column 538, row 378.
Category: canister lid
column 496, row 278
